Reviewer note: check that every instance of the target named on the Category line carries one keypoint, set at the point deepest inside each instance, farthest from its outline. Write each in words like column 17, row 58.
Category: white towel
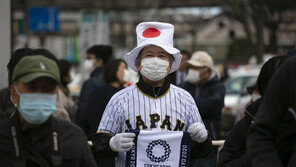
column 159, row 149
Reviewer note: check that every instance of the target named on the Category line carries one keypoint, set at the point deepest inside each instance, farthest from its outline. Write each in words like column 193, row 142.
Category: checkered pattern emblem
column 166, row 147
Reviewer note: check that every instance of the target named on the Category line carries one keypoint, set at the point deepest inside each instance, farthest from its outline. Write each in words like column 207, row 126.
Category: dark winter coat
column 99, row 101
column 272, row 137
column 84, row 101
column 210, row 102
column 234, row 152
column 36, row 148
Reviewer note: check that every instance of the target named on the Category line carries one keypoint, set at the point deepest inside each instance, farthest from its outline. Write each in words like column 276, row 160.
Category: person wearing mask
column 98, row 55
column 208, row 93
column 32, row 136
column 19, row 54
column 271, row 137
column 114, row 76
column 151, row 102
column 180, row 75
column 234, row 152
column 64, row 93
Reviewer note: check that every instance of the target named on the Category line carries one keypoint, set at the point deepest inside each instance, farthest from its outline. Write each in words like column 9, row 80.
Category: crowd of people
column 42, row 126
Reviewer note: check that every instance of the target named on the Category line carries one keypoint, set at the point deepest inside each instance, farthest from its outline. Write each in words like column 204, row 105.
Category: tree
column 260, row 14
column 276, row 9
column 240, row 50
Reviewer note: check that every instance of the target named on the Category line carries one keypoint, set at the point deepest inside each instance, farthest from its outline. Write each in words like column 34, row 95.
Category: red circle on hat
column 151, row 33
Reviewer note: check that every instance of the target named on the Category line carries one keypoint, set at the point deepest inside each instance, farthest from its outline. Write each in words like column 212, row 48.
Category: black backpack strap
column 15, row 142
column 17, row 147
column 56, row 149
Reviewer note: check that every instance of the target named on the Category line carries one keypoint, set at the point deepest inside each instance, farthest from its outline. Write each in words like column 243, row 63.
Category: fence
column 219, row 143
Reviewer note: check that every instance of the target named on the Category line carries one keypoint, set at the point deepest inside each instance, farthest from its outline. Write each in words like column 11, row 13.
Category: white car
column 236, row 96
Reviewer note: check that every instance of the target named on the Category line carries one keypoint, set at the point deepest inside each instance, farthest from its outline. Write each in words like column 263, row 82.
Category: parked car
column 236, row 97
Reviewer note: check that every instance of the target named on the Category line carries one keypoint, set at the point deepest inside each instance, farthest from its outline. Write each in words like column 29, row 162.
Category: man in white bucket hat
column 153, row 103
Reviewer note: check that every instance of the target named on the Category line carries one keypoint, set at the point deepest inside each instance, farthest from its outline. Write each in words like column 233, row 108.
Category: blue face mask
column 36, row 108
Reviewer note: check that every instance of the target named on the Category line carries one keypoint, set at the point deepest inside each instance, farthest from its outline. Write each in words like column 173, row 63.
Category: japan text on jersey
column 131, row 108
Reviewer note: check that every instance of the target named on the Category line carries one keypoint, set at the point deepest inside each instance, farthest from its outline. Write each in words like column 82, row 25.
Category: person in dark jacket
column 271, row 140
column 99, row 55
column 208, row 93
column 234, row 152
column 32, row 137
column 113, row 76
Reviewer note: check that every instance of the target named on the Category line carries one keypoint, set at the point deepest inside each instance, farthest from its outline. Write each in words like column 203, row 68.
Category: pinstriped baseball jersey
column 130, row 108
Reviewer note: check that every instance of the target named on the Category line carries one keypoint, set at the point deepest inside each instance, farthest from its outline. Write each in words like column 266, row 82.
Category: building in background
column 199, row 25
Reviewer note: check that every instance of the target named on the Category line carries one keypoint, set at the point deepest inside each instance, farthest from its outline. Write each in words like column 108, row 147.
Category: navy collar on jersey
column 153, row 92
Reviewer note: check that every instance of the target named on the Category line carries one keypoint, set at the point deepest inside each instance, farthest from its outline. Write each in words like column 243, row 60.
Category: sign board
column 44, row 19
column 93, row 30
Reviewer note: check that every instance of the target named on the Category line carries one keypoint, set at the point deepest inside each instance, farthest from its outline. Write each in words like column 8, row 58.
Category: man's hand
column 198, row 132
column 122, row 142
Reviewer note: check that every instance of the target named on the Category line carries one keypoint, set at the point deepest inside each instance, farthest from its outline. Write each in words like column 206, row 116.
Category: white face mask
column 125, row 75
column 88, row 65
column 193, row 76
column 154, row 68
column 255, row 97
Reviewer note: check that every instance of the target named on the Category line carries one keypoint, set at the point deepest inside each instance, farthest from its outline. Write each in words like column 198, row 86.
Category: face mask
column 72, row 74
column 88, row 65
column 154, row 68
column 193, row 76
column 125, row 75
column 255, row 97
column 36, row 108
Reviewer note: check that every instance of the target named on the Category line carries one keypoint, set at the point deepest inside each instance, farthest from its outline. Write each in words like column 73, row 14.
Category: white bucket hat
column 155, row 33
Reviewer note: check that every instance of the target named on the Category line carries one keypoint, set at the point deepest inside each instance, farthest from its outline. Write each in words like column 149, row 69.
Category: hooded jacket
column 234, row 152
column 271, row 141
